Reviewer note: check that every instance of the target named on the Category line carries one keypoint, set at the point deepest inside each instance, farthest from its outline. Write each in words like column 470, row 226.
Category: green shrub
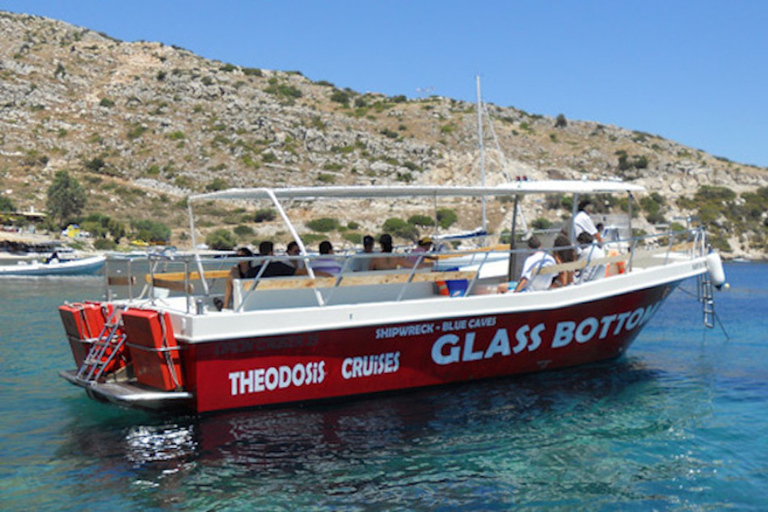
column 265, row 215
column 446, row 217
column 353, row 225
column 400, row 228
column 312, row 238
column 150, row 230
column 95, row 164
column 652, row 204
column 217, row 184
column 106, row 102
column 243, row 231
column 355, row 238
column 6, row 205
column 341, row 97
column 541, row 223
column 284, row 91
column 104, row 244
column 136, row 132
column 323, row 225
column 715, row 193
column 421, row 220
column 389, row 133
column 221, row 240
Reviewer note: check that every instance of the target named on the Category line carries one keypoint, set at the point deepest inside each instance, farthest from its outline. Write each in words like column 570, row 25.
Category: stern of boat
column 125, row 355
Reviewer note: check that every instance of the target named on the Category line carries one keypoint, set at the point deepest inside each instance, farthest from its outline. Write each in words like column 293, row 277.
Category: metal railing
column 156, row 268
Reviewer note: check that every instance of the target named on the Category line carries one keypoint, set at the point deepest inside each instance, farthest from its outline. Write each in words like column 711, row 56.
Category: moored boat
column 67, row 267
column 310, row 337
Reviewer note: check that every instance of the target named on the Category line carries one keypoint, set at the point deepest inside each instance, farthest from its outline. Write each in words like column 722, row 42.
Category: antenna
column 482, row 150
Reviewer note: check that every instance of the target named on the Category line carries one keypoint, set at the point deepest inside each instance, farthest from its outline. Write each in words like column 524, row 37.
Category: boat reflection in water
column 421, row 423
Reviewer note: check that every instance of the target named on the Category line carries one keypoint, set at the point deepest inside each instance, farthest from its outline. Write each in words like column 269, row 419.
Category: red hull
column 249, row 372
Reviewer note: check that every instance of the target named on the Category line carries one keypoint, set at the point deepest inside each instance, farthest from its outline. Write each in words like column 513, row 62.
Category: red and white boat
column 301, row 338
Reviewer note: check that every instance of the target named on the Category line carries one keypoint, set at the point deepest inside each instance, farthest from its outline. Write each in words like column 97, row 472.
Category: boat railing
column 166, row 277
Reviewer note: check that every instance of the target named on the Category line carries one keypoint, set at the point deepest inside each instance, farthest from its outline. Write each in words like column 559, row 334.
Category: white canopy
column 363, row 192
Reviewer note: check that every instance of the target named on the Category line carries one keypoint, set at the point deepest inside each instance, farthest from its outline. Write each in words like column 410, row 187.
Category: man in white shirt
column 582, row 223
column 531, row 278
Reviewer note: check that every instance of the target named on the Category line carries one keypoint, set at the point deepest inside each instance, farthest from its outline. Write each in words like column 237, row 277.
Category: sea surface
column 678, row 423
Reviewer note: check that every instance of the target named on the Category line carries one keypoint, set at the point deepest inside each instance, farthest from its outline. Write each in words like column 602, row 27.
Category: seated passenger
column 293, row 250
column 359, row 264
column 388, row 261
column 239, row 271
column 326, row 264
column 563, row 252
column 589, row 251
column 53, row 258
column 531, row 279
column 422, row 246
column 274, row 268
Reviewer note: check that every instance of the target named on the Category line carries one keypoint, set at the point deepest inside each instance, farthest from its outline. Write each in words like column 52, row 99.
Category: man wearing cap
column 423, row 245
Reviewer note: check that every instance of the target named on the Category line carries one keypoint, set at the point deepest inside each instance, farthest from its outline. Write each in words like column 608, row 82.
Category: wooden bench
column 382, row 277
column 353, row 288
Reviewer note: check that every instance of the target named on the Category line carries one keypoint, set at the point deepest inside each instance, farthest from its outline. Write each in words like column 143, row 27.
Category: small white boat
column 73, row 267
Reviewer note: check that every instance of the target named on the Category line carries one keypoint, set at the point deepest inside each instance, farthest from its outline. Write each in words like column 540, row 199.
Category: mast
column 482, row 151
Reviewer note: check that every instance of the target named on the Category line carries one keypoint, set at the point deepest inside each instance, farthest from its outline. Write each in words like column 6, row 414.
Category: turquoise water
column 679, row 423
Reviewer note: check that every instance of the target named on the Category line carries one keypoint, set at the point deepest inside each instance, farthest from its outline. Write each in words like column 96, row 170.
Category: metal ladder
column 97, row 360
column 707, row 299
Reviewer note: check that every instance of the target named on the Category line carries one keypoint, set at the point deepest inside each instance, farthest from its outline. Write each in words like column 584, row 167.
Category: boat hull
column 79, row 267
column 311, row 365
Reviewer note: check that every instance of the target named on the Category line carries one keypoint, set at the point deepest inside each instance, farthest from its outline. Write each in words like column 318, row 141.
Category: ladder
column 100, row 356
column 707, row 299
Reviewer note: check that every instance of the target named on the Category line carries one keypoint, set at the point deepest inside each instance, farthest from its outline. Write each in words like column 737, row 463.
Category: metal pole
column 512, row 254
column 198, row 262
column 574, row 211
column 482, row 151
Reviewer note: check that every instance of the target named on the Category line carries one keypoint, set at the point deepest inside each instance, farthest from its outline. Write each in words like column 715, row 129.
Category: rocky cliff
column 143, row 124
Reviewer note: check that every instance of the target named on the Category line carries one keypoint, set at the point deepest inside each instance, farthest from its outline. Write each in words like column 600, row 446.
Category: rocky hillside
column 143, row 124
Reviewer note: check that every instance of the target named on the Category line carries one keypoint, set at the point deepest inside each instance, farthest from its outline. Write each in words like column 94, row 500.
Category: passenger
column 422, row 246
column 388, row 261
column 239, row 271
column 563, row 252
column 589, row 252
column 583, row 222
column 274, row 268
column 362, row 264
column 326, row 264
column 531, row 279
column 294, row 250
column 53, row 258
column 600, row 228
